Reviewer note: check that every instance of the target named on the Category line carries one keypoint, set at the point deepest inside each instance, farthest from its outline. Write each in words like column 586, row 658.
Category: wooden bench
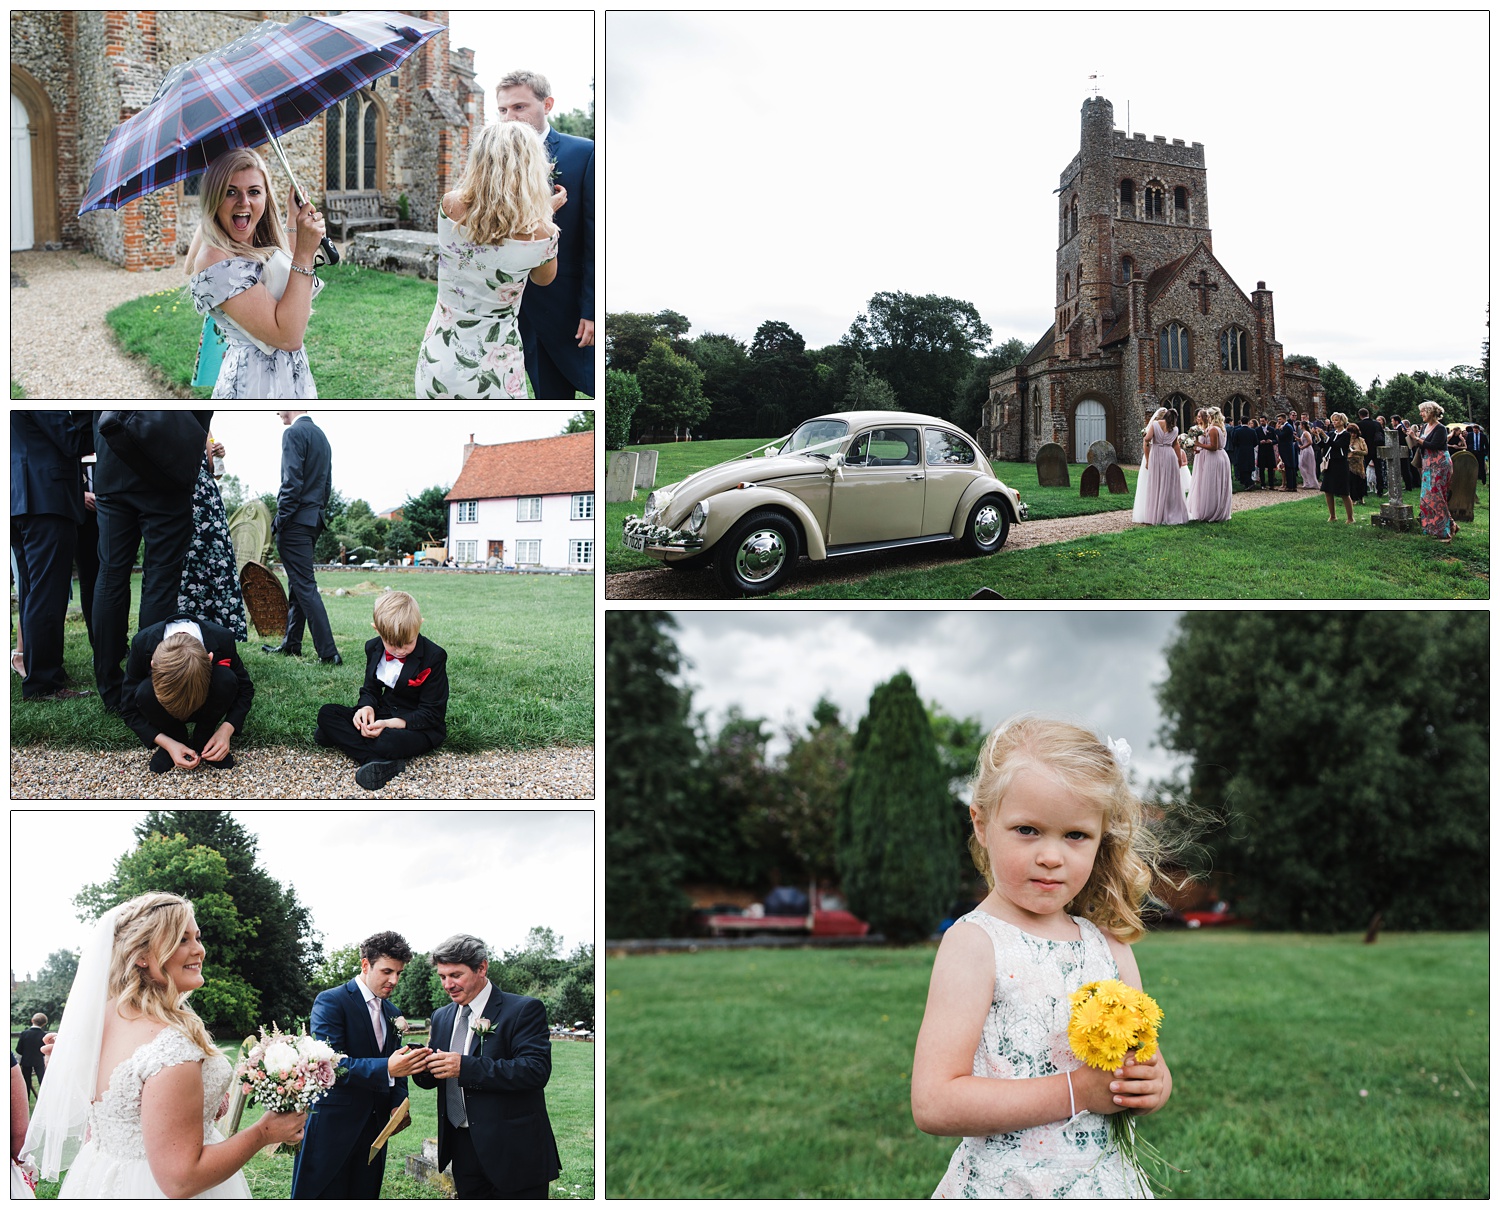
column 364, row 208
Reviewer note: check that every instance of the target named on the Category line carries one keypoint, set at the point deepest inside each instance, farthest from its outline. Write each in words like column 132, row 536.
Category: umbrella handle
column 325, row 247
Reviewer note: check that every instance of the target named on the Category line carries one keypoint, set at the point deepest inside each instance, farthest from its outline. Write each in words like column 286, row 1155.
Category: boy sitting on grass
column 403, row 705
column 182, row 671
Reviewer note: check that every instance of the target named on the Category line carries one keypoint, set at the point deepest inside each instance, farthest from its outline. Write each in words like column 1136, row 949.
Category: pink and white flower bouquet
column 288, row 1073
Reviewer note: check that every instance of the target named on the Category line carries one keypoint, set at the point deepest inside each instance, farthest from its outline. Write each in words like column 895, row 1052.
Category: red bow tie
column 400, row 659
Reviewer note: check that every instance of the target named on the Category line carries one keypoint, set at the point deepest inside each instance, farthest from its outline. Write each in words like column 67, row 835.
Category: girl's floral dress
column 472, row 349
column 1026, row 1035
column 210, row 585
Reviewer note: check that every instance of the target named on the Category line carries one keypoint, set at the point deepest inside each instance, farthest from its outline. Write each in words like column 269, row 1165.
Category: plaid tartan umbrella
column 274, row 79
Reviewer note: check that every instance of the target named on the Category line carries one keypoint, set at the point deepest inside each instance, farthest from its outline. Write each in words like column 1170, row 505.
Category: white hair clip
column 1120, row 749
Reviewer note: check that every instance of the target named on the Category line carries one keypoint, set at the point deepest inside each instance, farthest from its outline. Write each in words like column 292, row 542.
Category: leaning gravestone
column 1115, row 478
column 1052, row 466
column 619, row 477
column 1089, row 484
column 1102, row 455
column 1461, row 492
column 645, row 470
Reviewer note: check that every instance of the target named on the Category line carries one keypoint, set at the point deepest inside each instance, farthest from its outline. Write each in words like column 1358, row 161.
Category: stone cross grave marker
column 1461, row 492
column 1052, row 466
column 1102, row 454
column 619, row 477
column 1393, row 514
column 645, row 470
column 1089, row 484
column 1114, row 477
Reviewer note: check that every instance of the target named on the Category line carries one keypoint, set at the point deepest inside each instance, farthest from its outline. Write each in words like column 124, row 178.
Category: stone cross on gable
column 1203, row 286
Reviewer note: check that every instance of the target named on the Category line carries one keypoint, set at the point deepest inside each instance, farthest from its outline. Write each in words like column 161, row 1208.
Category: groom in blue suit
column 357, row 1019
column 557, row 321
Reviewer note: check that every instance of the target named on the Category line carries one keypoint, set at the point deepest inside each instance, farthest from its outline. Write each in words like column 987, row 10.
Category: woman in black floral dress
column 210, row 587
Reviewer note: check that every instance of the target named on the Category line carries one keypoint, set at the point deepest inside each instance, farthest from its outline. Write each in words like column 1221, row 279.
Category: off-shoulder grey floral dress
column 252, row 369
column 1025, row 1036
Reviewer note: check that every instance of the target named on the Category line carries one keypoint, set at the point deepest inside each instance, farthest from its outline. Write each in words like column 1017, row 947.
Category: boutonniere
column 484, row 1029
column 400, row 1024
column 417, row 680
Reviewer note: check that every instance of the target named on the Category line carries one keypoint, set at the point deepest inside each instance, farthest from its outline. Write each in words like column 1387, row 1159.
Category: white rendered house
column 525, row 504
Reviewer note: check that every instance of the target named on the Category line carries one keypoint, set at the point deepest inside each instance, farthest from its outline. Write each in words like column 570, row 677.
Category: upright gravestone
column 1461, row 493
column 645, row 470
column 1393, row 513
column 1114, row 477
column 1088, row 484
column 1102, row 454
column 619, row 477
column 1052, row 466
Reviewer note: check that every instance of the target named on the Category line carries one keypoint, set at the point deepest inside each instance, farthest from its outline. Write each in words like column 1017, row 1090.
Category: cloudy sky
column 1093, row 667
column 790, row 165
column 560, row 45
column 426, row 874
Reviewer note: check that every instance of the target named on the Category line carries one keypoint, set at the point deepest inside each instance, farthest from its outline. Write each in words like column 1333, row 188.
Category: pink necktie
column 375, row 1020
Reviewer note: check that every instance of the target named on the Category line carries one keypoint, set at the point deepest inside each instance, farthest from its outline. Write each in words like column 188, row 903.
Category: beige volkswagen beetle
column 842, row 484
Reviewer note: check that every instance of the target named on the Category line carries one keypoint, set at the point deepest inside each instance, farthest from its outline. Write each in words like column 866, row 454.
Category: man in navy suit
column 46, row 509
column 490, row 1061
column 1286, row 446
column 301, row 514
column 557, row 320
column 357, row 1019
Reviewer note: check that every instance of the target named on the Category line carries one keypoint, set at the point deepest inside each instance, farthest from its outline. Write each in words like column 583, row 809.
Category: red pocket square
column 417, row 680
column 224, row 664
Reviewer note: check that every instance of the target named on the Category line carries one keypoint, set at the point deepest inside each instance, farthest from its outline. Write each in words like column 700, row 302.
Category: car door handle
column 911, row 477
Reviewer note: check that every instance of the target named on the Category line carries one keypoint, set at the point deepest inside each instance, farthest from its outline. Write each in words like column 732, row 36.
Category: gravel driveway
column 703, row 584
column 295, row 773
column 60, row 346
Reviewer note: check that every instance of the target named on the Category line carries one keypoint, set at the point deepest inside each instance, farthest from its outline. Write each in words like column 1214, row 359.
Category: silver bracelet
column 298, row 268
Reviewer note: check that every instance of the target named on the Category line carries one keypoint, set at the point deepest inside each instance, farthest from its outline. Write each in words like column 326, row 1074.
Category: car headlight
column 699, row 518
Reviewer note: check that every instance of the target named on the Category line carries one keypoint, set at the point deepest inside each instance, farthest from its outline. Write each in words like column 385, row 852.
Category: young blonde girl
column 1059, row 837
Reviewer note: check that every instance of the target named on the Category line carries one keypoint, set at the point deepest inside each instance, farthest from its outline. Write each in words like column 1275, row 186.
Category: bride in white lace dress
column 135, row 1083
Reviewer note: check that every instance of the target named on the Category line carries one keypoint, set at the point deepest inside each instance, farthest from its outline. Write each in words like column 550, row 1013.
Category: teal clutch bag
column 211, row 346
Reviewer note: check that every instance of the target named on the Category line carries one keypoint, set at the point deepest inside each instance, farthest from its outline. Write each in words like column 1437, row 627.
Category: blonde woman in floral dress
column 494, row 232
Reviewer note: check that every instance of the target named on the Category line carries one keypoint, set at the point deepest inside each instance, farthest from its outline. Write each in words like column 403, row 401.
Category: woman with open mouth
column 257, row 287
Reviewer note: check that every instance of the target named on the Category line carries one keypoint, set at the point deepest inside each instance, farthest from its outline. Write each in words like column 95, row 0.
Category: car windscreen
column 822, row 434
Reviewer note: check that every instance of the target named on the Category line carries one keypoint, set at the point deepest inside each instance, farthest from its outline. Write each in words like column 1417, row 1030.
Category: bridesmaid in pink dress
column 1307, row 459
column 1212, row 494
column 1166, row 503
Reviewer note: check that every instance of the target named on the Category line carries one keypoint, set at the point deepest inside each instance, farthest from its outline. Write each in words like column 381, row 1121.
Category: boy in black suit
column 182, row 671
column 403, row 704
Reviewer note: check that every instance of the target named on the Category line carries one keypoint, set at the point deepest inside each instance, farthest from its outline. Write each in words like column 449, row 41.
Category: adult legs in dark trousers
column 548, row 379
column 165, row 520
column 87, row 558
column 223, row 690
column 304, row 605
column 44, row 544
column 336, row 725
column 469, row 1178
column 1411, row 477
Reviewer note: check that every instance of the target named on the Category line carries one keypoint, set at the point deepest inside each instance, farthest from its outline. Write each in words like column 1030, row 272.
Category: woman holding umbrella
column 258, row 289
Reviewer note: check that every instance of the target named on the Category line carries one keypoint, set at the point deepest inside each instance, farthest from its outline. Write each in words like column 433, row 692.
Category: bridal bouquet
column 1110, row 1018
column 288, row 1073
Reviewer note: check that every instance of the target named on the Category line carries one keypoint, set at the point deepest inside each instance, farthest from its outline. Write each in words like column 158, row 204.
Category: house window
column 468, row 510
column 529, row 552
column 353, row 142
column 581, row 552
column 583, row 507
column 528, row 508
column 1127, row 268
column 1233, row 350
column 1127, row 199
column 1174, row 347
column 466, row 551
column 1156, row 199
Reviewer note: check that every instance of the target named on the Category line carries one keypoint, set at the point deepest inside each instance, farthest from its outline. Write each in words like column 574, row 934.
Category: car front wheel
column 987, row 527
column 758, row 554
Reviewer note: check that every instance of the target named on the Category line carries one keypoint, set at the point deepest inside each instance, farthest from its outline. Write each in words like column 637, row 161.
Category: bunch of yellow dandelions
column 1109, row 1019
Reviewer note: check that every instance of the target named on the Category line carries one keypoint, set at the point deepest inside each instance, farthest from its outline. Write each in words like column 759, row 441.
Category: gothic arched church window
column 1127, row 269
column 1073, row 218
column 354, row 136
column 1127, row 199
column 1156, row 201
column 1180, row 203
column 1234, row 349
column 1174, row 347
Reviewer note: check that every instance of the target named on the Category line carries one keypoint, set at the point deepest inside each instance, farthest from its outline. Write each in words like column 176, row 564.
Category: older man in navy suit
column 557, row 321
column 46, row 509
column 357, row 1019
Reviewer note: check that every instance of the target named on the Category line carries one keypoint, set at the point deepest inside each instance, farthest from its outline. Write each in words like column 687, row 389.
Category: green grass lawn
column 362, row 339
column 520, row 665
column 764, row 1073
column 570, row 1106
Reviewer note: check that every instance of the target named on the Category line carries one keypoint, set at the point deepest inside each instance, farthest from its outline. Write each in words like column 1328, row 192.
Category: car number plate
column 635, row 541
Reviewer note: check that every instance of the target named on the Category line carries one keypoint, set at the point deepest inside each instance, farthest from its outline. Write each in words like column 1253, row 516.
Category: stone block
column 645, row 469
column 1102, row 454
column 1089, row 484
column 1461, row 492
column 411, row 252
column 1052, row 466
column 619, row 476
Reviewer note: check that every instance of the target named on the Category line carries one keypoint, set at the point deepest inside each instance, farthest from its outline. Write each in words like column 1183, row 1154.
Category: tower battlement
column 1157, row 150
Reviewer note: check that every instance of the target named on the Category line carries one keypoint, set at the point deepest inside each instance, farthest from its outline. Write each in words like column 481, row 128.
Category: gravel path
column 703, row 584
column 295, row 773
column 60, row 346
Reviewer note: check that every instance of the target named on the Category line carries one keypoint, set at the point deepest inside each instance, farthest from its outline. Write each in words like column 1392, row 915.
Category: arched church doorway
column 1089, row 426
column 22, row 219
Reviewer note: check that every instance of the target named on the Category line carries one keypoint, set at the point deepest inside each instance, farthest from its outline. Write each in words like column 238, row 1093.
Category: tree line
column 1318, row 807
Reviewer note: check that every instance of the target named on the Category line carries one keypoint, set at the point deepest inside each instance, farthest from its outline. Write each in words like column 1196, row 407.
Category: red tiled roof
column 551, row 466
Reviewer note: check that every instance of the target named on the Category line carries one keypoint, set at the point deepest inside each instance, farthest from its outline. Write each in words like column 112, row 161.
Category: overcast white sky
column 425, row 874
column 790, row 165
column 1093, row 667
column 378, row 457
column 560, row 45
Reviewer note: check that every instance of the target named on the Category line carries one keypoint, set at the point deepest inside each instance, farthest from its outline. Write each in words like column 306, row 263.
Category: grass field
column 570, row 1106
column 764, row 1073
column 362, row 338
column 520, row 664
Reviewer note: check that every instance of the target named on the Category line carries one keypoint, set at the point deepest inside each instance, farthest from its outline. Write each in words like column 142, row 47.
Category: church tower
column 1127, row 206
